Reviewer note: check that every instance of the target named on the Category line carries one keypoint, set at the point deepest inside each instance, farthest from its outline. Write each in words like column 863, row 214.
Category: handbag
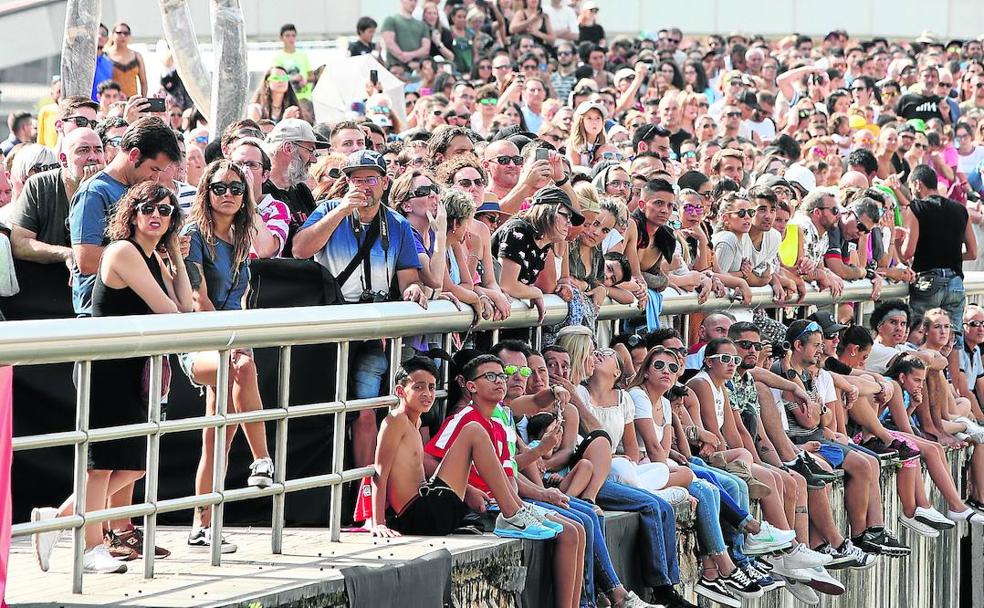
column 165, row 378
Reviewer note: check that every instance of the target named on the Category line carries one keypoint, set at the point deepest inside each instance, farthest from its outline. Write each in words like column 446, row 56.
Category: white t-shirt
column 718, row 397
column 614, row 237
column 612, row 419
column 825, row 386
column 881, row 356
column 767, row 256
column 969, row 164
column 766, row 130
column 814, row 245
column 562, row 19
column 730, row 250
column 644, row 409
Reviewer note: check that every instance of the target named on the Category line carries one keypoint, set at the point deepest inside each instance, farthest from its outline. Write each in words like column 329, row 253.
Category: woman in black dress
column 132, row 280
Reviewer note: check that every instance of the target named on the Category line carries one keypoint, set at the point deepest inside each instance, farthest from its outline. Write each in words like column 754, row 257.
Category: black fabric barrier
column 44, row 402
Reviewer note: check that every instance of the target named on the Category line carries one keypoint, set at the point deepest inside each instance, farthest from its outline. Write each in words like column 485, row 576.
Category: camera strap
column 363, row 254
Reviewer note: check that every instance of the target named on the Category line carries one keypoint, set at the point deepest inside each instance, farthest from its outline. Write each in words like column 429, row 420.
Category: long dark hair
column 700, row 85
column 264, row 96
column 242, row 225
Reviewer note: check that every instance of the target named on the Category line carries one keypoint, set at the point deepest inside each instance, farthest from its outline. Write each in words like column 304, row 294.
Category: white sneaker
column 803, row 593
column 261, row 473
column 44, row 542
column 823, row 582
column 98, row 560
column 781, row 568
column 918, row 527
column 768, row 539
column 803, row 557
column 933, row 518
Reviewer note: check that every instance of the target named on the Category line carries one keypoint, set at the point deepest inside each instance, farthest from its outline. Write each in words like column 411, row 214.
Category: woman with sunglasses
column 721, row 360
column 585, row 260
column 655, row 377
column 128, row 65
column 274, row 99
column 221, row 230
column 734, row 252
column 133, row 279
column 415, row 196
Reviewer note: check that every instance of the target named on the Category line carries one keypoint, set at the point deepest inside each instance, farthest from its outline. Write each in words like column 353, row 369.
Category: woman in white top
column 614, row 410
column 721, row 360
column 733, row 249
column 655, row 376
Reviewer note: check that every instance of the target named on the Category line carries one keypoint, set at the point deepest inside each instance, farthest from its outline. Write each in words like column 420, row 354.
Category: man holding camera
column 365, row 245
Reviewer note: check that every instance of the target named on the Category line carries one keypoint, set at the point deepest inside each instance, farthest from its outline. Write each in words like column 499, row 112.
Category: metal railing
column 85, row 340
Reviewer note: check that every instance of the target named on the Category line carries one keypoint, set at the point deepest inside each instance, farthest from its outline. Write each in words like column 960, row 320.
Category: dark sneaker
column 905, row 452
column 881, row 542
column 742, row 585
column 860, row 559
column 134, row 539
column 841, row 559
column 818, row 471
column 117, row 550
column 201, row 539
column 716, row 591
column 884, row 452
column 668, row 596
column 764, row 580
column 812, row 481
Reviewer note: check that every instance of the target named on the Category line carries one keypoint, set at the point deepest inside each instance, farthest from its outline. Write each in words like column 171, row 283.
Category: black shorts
column 582, row 447
column 435, row 511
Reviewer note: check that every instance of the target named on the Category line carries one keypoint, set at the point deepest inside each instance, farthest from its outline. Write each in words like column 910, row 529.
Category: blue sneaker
column 541, row 515
column 522, row 525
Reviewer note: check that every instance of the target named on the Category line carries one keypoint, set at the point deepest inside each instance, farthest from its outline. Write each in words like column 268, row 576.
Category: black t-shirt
column 678, row 138
column 901, row 165
column 42, row 208
column 915, row 105
column 591, row 33
column 516, row 240
column 942, row 224
column 357, row 47
column 299, row 201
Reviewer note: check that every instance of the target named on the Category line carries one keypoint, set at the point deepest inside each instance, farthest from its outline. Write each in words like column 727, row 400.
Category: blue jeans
column 940, row 288
column 658, row 544
column 708, row 520
column 734, row 496
column 367, row 369
column 591, row 542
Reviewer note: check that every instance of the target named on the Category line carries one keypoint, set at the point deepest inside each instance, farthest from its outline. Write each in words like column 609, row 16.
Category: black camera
column 373, row 297
column 779, row 349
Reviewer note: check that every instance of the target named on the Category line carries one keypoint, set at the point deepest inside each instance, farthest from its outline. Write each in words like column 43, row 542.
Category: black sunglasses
column 82, row 121
column 505, row 160
column 234, row 188
column 165, row 209
column 749, row 344
column 422, row 191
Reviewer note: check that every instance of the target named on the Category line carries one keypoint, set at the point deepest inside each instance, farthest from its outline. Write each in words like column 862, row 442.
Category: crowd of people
column 536, row 154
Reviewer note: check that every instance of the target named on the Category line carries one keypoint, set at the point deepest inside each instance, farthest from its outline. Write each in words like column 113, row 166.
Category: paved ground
column 308, row 566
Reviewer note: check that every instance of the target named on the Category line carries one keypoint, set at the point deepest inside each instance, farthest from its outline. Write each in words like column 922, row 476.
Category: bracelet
column 560, row 183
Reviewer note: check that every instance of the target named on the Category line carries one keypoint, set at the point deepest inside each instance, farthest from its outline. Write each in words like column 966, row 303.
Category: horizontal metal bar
column 48, row 440
column 60, row 523
column 188, row 502
column 59, row 340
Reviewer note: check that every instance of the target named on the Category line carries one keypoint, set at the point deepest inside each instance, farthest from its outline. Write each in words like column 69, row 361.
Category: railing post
column 338, row 442
column 153, row 463
column 218, row 468
column 280, row 457
column 84, row 369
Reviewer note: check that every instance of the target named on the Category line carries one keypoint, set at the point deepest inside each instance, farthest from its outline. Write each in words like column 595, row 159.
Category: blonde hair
column 578, row 341
column 577, row 142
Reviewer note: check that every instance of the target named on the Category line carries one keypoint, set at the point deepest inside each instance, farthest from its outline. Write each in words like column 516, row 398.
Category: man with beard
column 564, row 79
column 39, row 232
column 818, row 213
column 861, row 217
column 291, row 145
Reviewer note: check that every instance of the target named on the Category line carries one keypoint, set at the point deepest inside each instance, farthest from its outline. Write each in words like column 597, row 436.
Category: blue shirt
column 104, row 71
column 225, row 286
column 533, row 120
column 343, row 245
column 88, row 217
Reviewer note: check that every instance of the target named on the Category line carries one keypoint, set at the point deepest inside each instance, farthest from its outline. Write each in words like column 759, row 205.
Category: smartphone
column 542, row 154
column 155, row 105
column 374, row 77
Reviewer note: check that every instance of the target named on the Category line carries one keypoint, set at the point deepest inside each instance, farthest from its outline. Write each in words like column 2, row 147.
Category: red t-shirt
column 439, row 444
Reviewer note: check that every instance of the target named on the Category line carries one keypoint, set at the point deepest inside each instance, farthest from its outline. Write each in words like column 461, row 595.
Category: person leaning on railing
column 132, row 279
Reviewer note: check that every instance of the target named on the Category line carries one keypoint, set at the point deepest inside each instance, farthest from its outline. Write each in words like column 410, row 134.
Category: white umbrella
column 343, row 83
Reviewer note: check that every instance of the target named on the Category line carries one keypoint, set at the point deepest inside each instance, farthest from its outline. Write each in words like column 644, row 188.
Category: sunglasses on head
column 523, row 371
column 165, row 209
column 660, row 365
column 726, row 358
column 423, row 191
column 233, row 188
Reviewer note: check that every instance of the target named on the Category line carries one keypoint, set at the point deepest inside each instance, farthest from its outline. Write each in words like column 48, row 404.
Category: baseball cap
column 382, row 120
column 624, row 73
column 827, row 323
column 798, row 175
column 552, row 195
column 589, row 5
column 584, row 106
column 771, row 180
column 365, row 159
column 294, row 129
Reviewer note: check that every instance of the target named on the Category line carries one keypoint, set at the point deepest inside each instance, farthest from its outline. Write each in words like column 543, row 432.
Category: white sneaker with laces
column 261, row 473
column 803, row 557
column 918, row 527
column 98, row 560
column 768, row 539
column 44, row 543
column 803, row 593
column 933, row 518
column 634, row 601
column 823, row 582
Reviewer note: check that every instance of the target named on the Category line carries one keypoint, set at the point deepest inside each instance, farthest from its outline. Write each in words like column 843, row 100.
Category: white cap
column 799, row 175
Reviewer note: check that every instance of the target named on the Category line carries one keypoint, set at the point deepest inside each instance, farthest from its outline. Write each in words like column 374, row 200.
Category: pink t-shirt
column 276, row 217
